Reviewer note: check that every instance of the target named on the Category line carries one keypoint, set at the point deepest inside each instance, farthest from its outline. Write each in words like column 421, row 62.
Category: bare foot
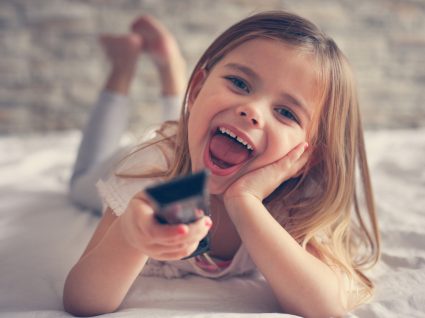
column 164, row 51
column 122, row 52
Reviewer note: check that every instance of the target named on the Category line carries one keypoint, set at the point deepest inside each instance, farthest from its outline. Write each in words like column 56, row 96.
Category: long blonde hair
column 329, row 218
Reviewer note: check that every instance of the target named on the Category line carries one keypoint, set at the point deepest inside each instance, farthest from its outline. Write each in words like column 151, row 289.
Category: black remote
column 176, row 201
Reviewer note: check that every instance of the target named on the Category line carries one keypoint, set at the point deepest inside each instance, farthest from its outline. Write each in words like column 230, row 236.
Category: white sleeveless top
column 116, row 192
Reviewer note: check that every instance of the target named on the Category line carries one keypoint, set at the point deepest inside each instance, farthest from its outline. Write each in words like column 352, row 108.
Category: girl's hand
column 160, row 241
column 261, row 182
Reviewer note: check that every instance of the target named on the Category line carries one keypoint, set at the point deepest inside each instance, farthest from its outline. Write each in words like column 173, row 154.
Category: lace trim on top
column 211, row 265
column 162, row 269
column 110, row 197
column 203, row 263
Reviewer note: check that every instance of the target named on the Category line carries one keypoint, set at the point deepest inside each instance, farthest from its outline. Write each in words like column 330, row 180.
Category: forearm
column 100, row 280
column 303, row 284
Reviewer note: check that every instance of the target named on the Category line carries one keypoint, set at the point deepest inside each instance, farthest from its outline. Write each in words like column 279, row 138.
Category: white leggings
column 100, row 145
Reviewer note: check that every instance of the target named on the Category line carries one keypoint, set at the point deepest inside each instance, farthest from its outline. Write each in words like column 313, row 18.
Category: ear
column 195, row 86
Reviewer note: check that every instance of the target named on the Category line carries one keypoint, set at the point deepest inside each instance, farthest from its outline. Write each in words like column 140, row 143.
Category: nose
column 251, row 114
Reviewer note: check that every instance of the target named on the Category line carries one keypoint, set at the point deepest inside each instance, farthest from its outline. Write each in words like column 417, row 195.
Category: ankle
column 172, row 76
column 119, row 80
column 172, row 81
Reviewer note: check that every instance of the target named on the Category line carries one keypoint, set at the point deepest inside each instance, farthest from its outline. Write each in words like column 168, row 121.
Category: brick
column 52, row 68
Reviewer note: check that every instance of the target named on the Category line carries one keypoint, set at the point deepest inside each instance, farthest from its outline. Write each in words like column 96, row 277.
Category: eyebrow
column 292, row 99
column 244, row 69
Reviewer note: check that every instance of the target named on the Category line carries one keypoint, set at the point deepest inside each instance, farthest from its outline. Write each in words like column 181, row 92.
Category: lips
column 224, row 154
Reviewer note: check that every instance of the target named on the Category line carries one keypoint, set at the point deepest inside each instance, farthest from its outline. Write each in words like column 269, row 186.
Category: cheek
column 192, row 138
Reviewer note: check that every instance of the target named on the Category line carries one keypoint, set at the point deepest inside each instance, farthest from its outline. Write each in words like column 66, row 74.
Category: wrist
column 232, row 195
column 236, row 202
column 173, row 78
column 126, row 237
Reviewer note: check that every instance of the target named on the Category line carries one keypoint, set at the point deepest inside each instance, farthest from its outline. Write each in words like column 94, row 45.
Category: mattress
column 42, row 235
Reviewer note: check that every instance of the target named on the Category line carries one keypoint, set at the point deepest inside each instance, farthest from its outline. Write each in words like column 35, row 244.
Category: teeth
column 243, row 142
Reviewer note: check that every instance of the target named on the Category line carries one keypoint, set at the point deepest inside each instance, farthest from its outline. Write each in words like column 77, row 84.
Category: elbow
column 324, row 310
column 333, row 311
column 80, row 304
column 320, row 304
column 86, row 310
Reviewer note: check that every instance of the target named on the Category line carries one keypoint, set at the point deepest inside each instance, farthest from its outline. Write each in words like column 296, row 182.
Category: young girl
column 271, row 111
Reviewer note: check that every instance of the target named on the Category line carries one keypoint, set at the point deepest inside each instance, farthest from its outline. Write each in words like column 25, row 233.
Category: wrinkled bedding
column 42, row 235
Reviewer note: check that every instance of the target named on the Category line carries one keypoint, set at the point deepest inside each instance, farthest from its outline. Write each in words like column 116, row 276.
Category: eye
column 284, row 112
column 238, row 83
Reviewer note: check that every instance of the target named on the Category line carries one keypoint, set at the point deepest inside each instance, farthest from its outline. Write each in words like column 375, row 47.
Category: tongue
column 228, row 150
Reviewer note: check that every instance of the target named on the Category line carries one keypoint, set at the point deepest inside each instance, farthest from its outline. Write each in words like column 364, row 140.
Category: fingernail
column 208, row 222
column 199, row 213
column 182, row 229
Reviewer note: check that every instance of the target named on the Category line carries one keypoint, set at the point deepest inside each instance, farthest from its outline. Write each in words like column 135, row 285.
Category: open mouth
column 226, row 152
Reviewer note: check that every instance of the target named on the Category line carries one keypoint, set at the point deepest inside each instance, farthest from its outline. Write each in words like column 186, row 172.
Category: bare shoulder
column 106, row 221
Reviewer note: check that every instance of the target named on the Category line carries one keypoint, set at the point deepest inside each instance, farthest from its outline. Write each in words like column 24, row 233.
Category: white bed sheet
column 42, row 235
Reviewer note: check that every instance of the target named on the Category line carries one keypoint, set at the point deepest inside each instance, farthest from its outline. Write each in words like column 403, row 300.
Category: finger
column 160, row 249
column 184, row 233
column 297, row 152
column 173, row 252
column 150, row 227
column 292, row 162
column 185, row 250
column 199, row 229
column 196, row 231
column 297, row 159
column 168, row 233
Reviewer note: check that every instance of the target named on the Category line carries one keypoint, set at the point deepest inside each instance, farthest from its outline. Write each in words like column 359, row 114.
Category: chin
column 216, row 188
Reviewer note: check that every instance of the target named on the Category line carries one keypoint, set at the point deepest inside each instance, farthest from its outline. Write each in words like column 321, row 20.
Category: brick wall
column 52, row 69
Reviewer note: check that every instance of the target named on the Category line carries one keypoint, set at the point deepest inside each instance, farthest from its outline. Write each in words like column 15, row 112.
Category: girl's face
column 254, row 106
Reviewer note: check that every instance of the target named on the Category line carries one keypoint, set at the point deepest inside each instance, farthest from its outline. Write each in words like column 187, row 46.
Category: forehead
column 261, row 51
